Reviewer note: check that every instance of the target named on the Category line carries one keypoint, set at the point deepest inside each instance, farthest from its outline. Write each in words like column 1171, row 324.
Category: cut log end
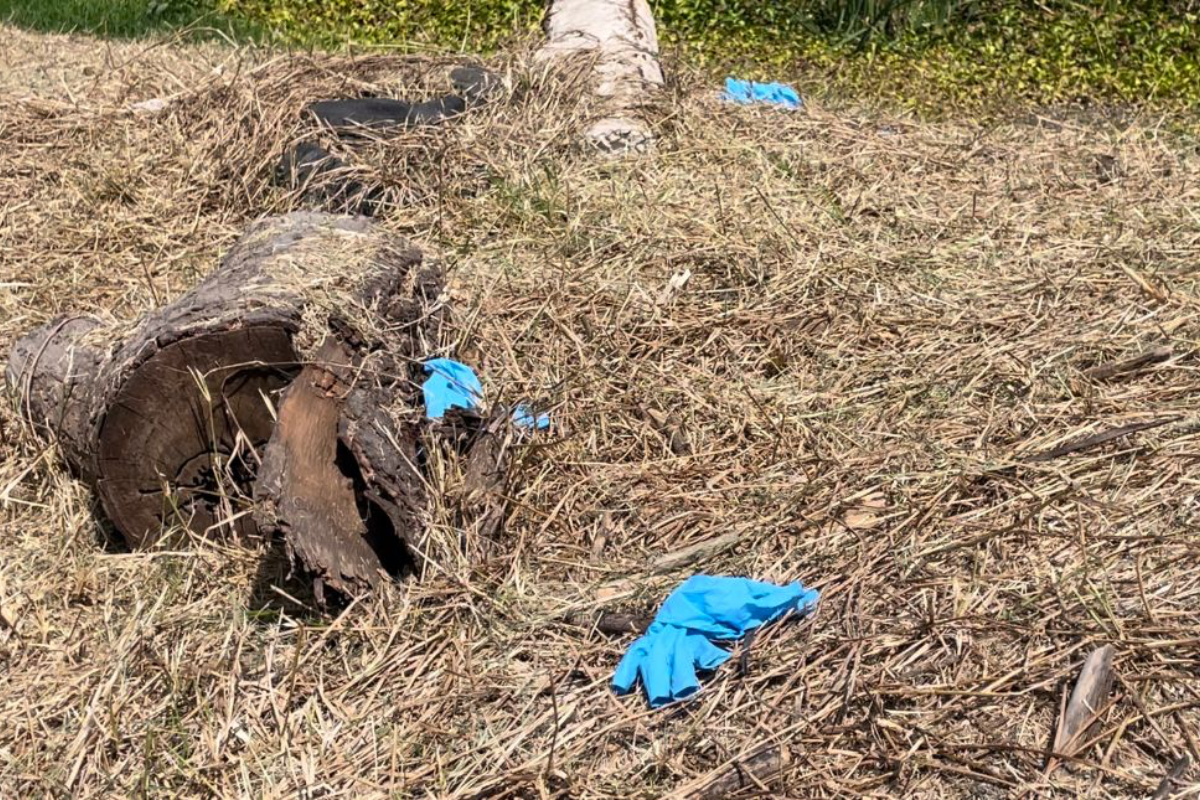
column 179, row 441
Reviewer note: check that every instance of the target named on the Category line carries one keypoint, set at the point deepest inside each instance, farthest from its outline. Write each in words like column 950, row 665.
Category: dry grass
column 883, row 319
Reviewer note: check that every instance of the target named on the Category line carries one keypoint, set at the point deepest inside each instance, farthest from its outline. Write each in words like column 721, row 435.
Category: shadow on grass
column 127, row 19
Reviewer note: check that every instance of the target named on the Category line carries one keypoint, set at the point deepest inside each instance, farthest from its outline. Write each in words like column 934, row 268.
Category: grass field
column 866, row 327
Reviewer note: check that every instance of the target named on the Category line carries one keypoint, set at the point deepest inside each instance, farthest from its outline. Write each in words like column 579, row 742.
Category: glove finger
column 627, row 671
column 807, row 600
column 684, row 682
column 656, row 669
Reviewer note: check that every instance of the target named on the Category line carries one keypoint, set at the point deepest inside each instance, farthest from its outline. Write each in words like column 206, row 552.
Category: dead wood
column 1087, row 701
column 1155, row 355
column 1175, row 773
column 617, row 41
column 169, row 420
column 1095, row 440
column 749, row 773
column 612, row 624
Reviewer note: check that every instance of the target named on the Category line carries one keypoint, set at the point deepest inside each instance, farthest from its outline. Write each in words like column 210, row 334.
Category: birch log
column 620, row 38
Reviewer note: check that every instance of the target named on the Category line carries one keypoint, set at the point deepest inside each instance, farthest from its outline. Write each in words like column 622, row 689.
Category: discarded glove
column 750, row 92
column 523, row 417
column 449, row 385
column 704, row 607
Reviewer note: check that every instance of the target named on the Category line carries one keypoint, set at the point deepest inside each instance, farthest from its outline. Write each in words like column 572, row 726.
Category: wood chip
column 1087, row 701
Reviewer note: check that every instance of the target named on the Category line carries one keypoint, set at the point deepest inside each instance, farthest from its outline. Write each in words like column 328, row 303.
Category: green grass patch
column 932, row 56
column 127, row 19
column 929, row 55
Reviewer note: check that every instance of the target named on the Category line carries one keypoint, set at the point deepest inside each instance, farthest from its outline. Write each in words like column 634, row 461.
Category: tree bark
column 620, row 37
column 172, row 420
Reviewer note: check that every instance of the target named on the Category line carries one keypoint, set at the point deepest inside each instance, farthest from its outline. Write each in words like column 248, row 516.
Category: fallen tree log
column 173, row 420
column 620, row 39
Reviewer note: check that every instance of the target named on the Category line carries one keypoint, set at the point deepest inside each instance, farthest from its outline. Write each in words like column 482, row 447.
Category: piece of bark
column 620, row 38
column 868, row 513
column 301, row 490
column 166, row 419
column 668, row 424
column 611, row 624
column 1087, row 700
column 1097, row 439
column 1155, row 355
column 749, row 773
column 482, row 503
column 621, row 588
column 51, row 372
column 1177, row 771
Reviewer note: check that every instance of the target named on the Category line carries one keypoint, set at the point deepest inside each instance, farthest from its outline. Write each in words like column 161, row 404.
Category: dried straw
column 833, row 338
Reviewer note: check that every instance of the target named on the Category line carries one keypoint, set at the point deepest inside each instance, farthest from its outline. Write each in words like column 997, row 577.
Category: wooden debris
column 483, row 502
column 611, row 624
column 668, row 424
column 622, row 588
column 1176, row 772
column 1087, row 701
column 750, row 773
column 605, row 528
column 869, row 513
column 300, row 489
column 1104, row 437
column 1155, row 355
column 170, row 420
column 621, row 41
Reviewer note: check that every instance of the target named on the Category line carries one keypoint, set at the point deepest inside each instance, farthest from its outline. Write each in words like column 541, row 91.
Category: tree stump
column 173, row 420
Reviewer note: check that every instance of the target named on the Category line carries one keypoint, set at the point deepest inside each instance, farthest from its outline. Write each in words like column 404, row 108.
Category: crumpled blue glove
column 749, row 92
column 704, row 607
column 449, row 385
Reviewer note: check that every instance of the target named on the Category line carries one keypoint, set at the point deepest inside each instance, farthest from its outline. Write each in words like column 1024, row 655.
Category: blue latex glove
column 704, row 607
column 523, row 417
column 449, row 385
column 666, row 659
column 750, row 92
